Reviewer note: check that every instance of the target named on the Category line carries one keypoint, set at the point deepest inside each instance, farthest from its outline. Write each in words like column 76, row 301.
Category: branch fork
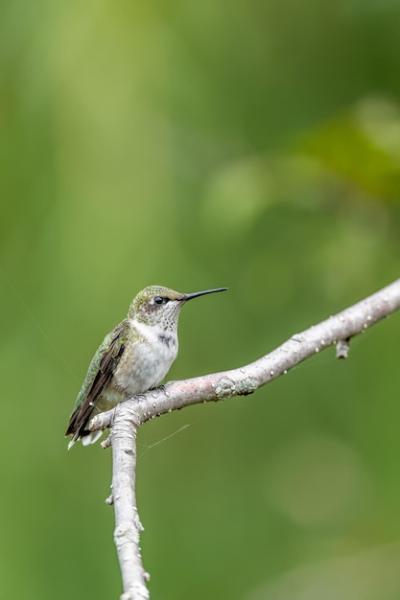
column 126, row 418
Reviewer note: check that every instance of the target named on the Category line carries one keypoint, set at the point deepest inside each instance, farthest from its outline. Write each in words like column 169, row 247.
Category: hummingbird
column 132, row 359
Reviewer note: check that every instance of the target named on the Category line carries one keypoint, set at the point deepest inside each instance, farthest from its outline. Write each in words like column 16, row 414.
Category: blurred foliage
column 254, row 145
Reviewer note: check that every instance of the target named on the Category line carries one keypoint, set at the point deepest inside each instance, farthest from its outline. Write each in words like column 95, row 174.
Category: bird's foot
column 158, row 387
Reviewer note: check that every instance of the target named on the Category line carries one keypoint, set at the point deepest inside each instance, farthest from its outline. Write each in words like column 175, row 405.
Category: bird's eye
column 160, row 300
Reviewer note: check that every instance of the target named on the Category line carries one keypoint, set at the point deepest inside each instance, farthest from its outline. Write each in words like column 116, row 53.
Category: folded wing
column 99, row 375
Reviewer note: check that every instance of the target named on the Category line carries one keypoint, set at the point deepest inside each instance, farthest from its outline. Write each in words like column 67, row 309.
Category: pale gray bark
column 127, row 417
column 127, row 523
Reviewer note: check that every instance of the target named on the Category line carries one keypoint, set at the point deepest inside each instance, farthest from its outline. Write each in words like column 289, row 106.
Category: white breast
column 145, row 363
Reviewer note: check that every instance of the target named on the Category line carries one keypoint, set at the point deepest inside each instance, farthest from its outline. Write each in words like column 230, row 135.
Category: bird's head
column 158, row 305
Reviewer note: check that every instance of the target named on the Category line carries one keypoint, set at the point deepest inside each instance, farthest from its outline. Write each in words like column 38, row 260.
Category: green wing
column 99, row 374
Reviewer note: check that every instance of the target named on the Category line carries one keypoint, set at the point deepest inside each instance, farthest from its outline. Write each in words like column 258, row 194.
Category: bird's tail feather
column 86, row 440
column 91, row 438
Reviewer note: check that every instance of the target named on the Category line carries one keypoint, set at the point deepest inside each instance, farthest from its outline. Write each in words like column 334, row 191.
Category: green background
column 198, row 144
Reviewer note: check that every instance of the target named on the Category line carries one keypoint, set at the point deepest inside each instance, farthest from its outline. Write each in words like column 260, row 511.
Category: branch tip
column 342, row 349
column 106, row 443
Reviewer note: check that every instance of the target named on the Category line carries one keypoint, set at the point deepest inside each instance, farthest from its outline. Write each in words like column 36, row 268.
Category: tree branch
column 128, row 416
column 128, row 526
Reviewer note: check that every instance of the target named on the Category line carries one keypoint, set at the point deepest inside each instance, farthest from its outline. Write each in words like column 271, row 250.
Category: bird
column 133, row 358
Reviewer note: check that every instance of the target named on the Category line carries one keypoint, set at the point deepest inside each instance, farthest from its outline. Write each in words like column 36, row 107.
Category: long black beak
column 187, row 297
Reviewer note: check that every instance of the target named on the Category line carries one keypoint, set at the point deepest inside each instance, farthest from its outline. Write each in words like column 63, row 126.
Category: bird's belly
column 142, row 367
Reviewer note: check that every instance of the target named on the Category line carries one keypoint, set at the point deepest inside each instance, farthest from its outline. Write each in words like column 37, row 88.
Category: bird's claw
column 157, row 388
